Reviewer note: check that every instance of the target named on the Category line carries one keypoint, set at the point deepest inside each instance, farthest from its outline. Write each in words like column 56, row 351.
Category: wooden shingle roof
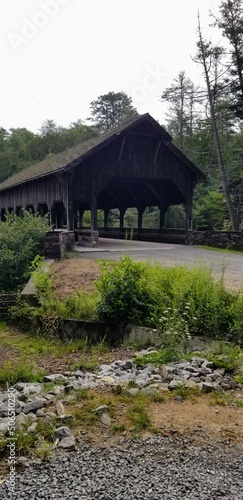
column 71, row 157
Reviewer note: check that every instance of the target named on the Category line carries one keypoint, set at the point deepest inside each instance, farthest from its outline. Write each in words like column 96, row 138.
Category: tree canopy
column 112, row 109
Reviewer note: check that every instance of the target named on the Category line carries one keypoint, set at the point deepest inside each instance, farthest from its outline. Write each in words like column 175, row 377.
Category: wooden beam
column 157, row 152
column 155, row 192
column 121, row 150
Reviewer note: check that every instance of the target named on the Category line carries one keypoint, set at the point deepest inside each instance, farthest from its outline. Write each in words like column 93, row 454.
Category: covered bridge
column 135, row 165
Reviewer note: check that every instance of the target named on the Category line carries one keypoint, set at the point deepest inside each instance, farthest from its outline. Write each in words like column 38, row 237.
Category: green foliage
column 118, row 428
column 20, row 371
column 20, row 148
column 124, row 293
column 138, row 414
column 47, row 428
column 160, row 357
column 226, row 356
column 177, row 301
column 239, row 378
column 220, row 398
column 185, row 392
column 110, row 110
column 21, row 239
column 25, row 442
column 210, row 211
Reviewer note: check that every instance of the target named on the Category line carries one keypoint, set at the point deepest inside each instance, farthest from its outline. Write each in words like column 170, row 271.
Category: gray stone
column 225, row 386
column 49, row 397
column 127, row 364
column 214, row 376
column 220, row 371
column 32, row 428
column 22, row 421
column 32, row 417
column 133, row 391
column 101, row 409
column 40, row 412
column 107, row 380
column 19, row 407
column 74, row 386
column 23, row 397
column 3, row 410
column 67, row 443
column 62, row 432
column 58, row 389
column 175, row 383
column 156, row 378
column 60, row 408
column 208, row 387
column 150, row 391
column 105, row 419
column 208, row 364
column 32, row 388
column 50, row 414
column 142, row 382
column 192, row 385
column 191, row 369
column 4, row 426
column 23, row 461
column 195, row 379
column 33, row 406
column 79, row 373
column 65, row 419
column 164, row 387
column 197, row 361
column 55, row 377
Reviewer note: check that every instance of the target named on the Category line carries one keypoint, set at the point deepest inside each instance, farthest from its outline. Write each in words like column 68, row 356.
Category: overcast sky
column 59, row 55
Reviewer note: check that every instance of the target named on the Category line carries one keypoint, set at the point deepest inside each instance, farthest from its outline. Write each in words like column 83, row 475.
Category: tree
column 182, row 97
column 210, row 211
column 231, row 24
column 209, row 57
column 110, row 110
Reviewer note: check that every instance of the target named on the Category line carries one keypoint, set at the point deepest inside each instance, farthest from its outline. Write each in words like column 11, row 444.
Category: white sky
column 84, row 48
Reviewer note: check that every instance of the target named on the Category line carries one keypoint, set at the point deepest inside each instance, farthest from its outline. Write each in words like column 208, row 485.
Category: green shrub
column 125, row 296
column 21, row 239
column 179, row 302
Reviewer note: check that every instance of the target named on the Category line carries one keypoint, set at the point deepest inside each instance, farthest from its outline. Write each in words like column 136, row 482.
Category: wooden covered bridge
column 135, row 165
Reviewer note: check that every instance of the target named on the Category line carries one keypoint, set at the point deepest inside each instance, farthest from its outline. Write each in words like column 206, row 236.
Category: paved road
column 231, row 264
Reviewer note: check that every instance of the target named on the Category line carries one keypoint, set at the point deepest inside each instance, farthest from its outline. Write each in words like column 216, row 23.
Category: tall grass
column 170, row 298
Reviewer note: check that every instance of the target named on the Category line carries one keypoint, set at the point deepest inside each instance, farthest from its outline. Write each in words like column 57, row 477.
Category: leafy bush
column 21, row 239
column 177, row 301
column 125, row 296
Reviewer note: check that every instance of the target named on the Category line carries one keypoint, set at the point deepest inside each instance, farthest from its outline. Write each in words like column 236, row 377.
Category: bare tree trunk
column 222, row 169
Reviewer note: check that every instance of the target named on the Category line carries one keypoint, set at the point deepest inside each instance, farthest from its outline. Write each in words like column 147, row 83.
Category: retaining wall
column 220, row 239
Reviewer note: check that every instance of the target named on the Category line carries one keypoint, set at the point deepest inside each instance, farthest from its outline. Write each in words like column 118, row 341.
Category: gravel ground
column 155, row 468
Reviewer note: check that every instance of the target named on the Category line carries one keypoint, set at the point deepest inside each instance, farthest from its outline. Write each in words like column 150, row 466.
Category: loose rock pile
column 32, row 399
column 152, row 469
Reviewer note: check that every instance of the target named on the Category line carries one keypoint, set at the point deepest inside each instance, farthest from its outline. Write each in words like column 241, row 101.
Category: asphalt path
column 228, row 263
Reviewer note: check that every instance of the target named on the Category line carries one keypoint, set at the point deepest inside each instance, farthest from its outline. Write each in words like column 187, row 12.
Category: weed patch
column 19, row 372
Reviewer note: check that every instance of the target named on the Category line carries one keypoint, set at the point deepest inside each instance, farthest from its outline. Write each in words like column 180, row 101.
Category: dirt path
column 75, row 274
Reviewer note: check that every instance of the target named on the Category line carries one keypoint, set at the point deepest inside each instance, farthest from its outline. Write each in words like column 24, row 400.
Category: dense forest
column 206, row 123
